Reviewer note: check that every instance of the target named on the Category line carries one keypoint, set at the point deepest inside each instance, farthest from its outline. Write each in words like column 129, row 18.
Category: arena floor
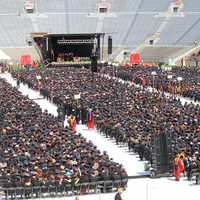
column 143, row 188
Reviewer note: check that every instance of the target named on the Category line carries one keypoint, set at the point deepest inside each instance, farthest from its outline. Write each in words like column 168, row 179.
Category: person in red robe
column 90, row 119
column 133, row 83
column 181, row 163
column 72, row 123
column 176, row 170
column 143, row 83
column 34, row 65
column 178, row 167
column 161, row 89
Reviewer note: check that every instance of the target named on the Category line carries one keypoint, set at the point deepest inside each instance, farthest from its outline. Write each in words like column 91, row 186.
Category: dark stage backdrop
column 81, row 45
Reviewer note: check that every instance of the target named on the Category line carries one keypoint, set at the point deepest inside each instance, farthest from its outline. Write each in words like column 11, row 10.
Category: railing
column 62, row 190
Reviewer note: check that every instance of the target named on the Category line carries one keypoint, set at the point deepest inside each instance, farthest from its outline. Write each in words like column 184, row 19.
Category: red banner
column 25, row 60
column 135, row 58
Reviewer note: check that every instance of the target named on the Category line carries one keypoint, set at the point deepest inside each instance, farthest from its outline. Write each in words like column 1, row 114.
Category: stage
column 64, row 48
column 85, row 64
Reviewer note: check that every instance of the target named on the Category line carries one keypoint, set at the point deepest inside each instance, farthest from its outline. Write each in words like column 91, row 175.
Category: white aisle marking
column 43, row 103
column 131, row 163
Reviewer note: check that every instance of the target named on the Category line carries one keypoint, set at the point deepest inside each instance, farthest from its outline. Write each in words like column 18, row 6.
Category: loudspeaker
column 29, row 43
column 109, row 45
column 151, row 42
column 94, row 63
column 161, row 155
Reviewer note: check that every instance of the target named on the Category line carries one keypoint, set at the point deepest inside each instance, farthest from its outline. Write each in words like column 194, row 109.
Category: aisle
column 43, row 103
column 130, row 161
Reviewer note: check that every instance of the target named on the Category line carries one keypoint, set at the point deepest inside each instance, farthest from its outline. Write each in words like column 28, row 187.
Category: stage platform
column 85, row 64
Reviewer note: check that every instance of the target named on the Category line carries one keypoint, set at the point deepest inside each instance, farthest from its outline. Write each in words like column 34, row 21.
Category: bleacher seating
column 155, row 5
column 133, row 21
column 69, row 6
column 111, row 26
column 11, row 6
column 139, row 32
column 177, row 29
column 51, row 6
column 80, row 23
column 126, row 6
column 54, row 23
column 158, row 53
column 82, row 6
column 14, row 30
column 192, row 35
column 191, row 6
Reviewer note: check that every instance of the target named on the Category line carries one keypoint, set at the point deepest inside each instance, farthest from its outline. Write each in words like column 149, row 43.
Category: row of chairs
column 63, row 190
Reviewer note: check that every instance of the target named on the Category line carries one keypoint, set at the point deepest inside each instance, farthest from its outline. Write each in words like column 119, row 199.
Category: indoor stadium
column 99, row 99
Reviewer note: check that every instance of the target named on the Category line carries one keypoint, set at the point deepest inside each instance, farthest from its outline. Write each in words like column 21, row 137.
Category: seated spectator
column 36, row 150
column 125, row 113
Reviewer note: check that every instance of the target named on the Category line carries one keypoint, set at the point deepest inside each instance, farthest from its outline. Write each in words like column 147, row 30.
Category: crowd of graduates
column 37, row 150
column 123, row 112
column 177, row 81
